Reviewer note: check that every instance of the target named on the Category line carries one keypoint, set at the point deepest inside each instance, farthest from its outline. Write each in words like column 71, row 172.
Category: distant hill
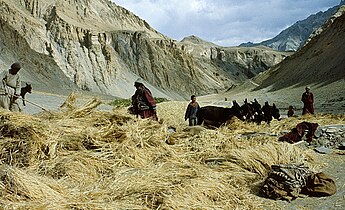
column 321, row 61
column 320, row 64
column 295, row 36
column 242, row 62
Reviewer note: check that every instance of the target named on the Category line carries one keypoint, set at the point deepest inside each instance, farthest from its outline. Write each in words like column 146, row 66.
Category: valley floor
column 333, row 164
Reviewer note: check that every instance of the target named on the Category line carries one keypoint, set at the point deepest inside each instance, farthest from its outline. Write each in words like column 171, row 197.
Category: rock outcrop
column 99, row 47
column 245, row 62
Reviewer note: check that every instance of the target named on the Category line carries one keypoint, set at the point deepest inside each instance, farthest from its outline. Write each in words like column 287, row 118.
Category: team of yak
column 249, row 111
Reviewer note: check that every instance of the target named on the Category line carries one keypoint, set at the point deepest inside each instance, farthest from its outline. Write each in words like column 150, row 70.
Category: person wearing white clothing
column 10, row 88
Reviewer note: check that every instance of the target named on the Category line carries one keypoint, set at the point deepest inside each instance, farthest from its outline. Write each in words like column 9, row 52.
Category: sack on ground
column 320, row 184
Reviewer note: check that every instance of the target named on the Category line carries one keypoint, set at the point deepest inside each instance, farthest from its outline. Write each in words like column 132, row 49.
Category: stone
column 317, row 133
column 342, row 145
column 323, row 150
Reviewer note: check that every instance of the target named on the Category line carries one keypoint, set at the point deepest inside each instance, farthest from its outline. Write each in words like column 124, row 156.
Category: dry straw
column 81, row 158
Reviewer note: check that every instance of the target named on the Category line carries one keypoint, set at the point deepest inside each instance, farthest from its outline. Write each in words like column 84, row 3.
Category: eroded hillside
column 100, row 47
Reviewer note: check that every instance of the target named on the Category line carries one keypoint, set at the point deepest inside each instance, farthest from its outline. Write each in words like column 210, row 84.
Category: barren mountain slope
column 99, row 47
column 320, row 64
column 239, row 60
column 321, row 61
column 295, row 36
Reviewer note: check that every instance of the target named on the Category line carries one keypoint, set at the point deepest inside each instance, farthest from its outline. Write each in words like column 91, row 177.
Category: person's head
column 15, row 67
column 193, row 98
column 138, row 83
column 290, row 107
column 307, row 89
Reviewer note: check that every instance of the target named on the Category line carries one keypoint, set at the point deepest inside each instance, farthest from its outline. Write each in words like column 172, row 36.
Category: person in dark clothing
column 192, row 108
column 291, row 112
column 308, row 101
column 143, row 102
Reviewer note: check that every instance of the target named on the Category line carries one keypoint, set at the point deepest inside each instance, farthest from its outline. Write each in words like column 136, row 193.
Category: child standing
column 191, row 111
column 291, row 112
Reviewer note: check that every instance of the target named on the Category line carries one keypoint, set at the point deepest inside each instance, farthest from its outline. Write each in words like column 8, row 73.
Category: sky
column 224, row 22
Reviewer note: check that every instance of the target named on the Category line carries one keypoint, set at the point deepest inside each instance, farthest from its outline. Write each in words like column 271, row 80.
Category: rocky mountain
column 320, row 64
column 295, row 36
column 321, row 61
column 99, row 47
column 238, row 60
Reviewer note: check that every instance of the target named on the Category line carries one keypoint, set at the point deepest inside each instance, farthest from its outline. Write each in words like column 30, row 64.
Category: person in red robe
column 143, row 102
column 308, row 102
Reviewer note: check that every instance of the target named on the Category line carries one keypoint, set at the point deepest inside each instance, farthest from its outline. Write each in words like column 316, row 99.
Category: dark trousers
column 193, row 121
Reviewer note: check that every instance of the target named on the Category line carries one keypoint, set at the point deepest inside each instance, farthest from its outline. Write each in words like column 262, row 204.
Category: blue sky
column 224, row 22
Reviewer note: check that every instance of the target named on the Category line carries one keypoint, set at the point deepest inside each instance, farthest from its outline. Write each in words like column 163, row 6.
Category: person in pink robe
column 143, row 102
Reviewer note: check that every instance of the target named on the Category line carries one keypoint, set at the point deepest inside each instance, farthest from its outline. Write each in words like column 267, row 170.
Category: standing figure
column 291, row 111
column 308, row 101
column 10, row 88
column 143, row 102
column 192, row 108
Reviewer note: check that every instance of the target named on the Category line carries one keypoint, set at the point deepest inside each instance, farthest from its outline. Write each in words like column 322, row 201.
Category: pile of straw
column 80, row 158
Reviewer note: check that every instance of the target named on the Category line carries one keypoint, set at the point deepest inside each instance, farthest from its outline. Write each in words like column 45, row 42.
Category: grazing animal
column 258, row 114
column 248, row 110
column 270, row 112
column 24, row 90
column 238, row 112
column 214, row 116
column 252, row 111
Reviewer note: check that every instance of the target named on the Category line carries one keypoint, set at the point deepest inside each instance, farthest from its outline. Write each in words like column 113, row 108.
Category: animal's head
column 28, row 87
column 235, row 104
column 275, row 112
column 256, row 105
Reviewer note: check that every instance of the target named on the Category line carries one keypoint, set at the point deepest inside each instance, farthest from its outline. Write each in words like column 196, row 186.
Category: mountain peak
column 197, row 40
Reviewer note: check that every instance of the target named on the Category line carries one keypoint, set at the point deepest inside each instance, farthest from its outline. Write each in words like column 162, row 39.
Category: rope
column 39, row 106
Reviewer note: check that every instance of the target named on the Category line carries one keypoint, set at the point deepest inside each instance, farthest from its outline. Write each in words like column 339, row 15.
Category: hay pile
column 80, row 158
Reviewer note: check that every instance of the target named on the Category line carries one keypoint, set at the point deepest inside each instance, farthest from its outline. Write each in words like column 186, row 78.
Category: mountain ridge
column 295, row 36
column 100, row 47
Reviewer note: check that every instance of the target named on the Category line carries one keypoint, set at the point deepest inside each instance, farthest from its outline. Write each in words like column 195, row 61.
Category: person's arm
column 186, row 115
column 303, row 98
column 18, row 85
column 150, row 99
column 197, row 107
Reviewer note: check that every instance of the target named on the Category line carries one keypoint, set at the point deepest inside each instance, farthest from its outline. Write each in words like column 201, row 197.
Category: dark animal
column 270, row 112
column 252, row 111
column 237, row 110
column 215, row 116
column 258, row 114
column 247, row 110
column 24, row 90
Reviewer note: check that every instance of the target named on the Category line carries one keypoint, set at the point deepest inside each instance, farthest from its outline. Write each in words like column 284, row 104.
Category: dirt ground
column 332, row 164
